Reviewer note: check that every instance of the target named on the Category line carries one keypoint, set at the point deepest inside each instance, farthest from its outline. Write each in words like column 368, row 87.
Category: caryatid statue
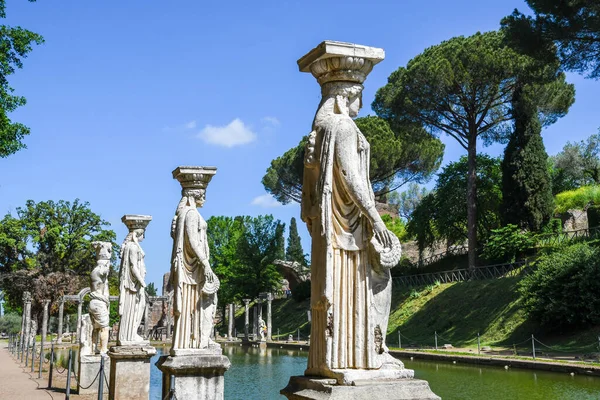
column 132, row 297
column 192, row 279
column 100, row 303
column 352, row 250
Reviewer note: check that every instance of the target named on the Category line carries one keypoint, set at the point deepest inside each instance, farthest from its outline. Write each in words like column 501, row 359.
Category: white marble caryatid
column 100, row 303
column 132, row 296
column 192, row 279
column 352, row 250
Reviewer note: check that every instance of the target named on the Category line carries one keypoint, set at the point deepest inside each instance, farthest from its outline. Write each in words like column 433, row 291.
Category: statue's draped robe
column 346, row 312
column 132, row 301
column 194, row 299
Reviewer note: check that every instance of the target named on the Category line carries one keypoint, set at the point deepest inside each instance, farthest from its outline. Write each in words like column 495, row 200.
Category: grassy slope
column 457, row 311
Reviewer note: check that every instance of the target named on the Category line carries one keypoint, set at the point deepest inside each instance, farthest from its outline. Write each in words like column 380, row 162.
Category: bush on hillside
column 302, row 291
column 562, row 292
column 577, row 199
column 506, row 243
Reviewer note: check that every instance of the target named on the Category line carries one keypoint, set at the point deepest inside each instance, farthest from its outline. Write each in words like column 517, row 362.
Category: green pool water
column 261, row 374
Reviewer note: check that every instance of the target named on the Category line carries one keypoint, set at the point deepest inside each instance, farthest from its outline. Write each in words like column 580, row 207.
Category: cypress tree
column 526, row 186
column 280, row 241
column 294, row 250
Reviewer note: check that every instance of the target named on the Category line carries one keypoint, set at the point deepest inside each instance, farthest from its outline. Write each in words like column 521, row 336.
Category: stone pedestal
column 130, row 372
column 194, row 374
column 89, row 366
column 310, row 388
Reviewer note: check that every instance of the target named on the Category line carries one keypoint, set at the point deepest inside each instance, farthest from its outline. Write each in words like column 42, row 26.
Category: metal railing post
column 533, row 345
column 478, row 345
column 51, row 368
column 68, row 388
column 436, row 340
column 101, row 379
column 33, row 355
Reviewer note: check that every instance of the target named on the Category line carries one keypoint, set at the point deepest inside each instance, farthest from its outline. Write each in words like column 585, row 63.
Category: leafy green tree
column 578, row 164
column 462, row 87
column 406, row 201
column 406, row 154
column 442, row 214
column 16, row 44
column 151, row 289
column 47, row 249
column 258, row 248
column 571, row 27
column 527, row 199
column 294, row 251
column 224, row 234
column 396, row 225
column 10, row 323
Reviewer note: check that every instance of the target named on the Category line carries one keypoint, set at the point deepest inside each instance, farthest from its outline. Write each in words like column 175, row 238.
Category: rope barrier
column 564, row 351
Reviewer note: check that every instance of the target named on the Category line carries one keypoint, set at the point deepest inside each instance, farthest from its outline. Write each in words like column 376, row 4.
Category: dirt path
column 16, row 382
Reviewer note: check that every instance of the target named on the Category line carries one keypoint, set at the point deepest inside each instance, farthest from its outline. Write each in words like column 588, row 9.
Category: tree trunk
column 472, row 201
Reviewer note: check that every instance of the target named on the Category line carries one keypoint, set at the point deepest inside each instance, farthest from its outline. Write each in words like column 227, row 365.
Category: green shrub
column 577, row 199
column 506, row 243
column 563, row 291
column 10, row 323
column 553, row 226
column 302, row 291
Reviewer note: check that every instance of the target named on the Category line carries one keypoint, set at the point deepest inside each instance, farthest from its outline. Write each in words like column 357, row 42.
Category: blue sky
column 123, row 92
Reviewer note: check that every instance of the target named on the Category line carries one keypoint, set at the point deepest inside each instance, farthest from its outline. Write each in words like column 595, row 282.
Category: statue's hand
column 382, row 234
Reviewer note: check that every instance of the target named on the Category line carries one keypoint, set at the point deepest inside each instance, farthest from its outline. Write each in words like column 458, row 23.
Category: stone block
column 311, row 388
column 130, row 372
column 194, row 375
column 89, row 367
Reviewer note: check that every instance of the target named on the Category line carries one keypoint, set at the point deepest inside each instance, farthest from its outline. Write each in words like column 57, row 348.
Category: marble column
column 246, row 319
column 255, row 321
column 45, row 304
column 61, row 310
column 27, row 312
column 230, row 321
column 269, row 326
column 79, row 310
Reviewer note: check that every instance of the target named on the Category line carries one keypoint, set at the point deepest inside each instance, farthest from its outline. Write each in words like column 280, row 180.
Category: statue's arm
column 346, row 153
column 134, row 262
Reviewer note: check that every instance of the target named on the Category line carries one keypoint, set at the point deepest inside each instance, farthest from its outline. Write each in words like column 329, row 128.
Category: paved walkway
column 15, row 382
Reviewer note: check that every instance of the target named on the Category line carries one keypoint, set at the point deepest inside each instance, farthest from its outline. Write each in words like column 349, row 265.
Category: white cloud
column 190, row 125
column 234, row 134
column 273, row 121
column 265, row 201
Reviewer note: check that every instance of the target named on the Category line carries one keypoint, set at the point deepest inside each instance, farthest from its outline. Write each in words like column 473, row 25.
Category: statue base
column 89, row 377
column 315, row 388
column 193, row 374
column 386, row 384
column 130, row 372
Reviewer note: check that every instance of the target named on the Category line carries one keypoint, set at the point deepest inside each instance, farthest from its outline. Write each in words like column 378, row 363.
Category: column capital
column 246, row 301
column 46, row 302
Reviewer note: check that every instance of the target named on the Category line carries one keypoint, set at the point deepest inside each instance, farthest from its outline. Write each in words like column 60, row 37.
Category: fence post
column 279, row 337
column 298, row 334
column 399, row 340
column 68, row 388
column 41, row 358
column 101, row 378
column 436, row 340
column 533, row 345
column 26, row 354
column 33, row 355
column 51, row 368
column 478, row 346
